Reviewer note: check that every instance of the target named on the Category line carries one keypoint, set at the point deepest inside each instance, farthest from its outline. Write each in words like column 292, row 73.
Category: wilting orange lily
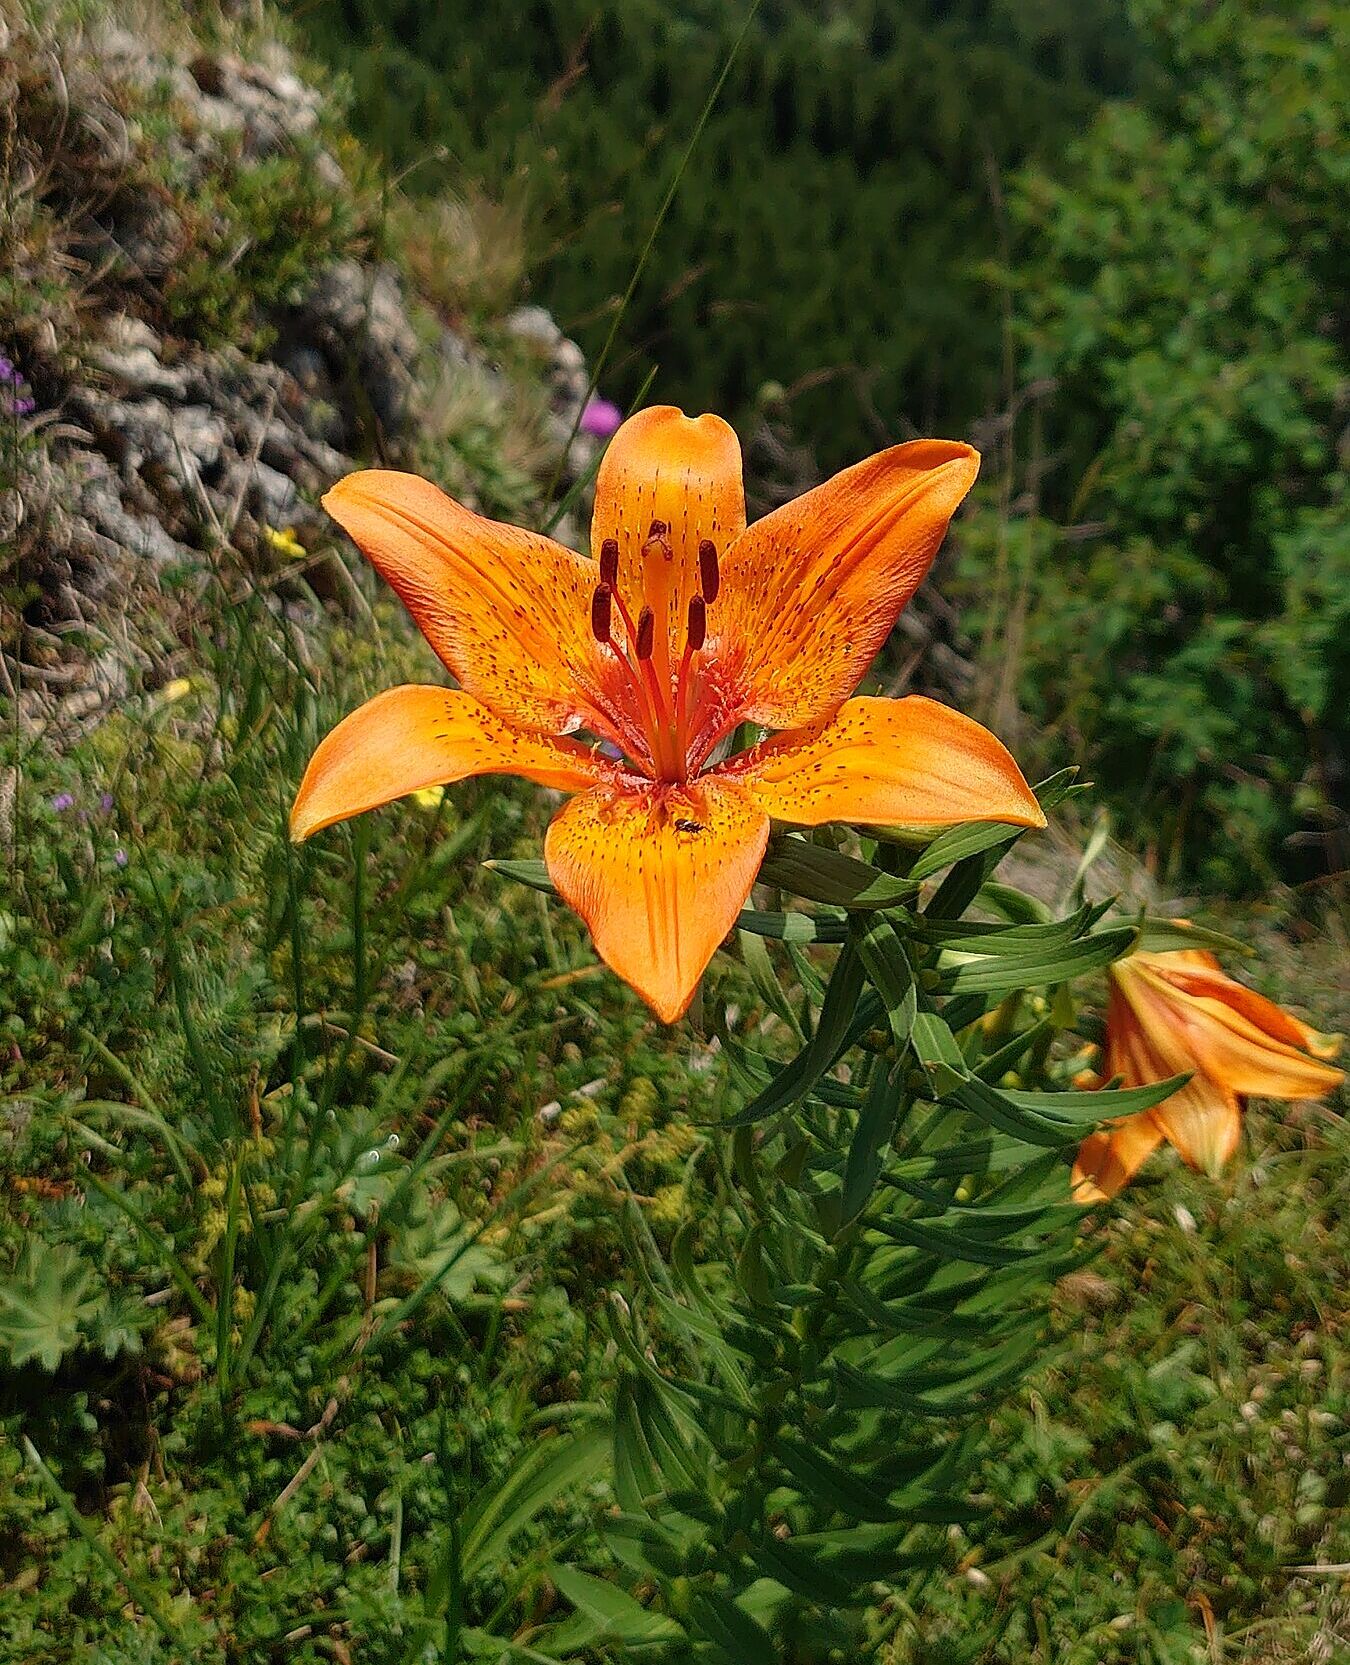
column 686, row 624
column 1169, row 1014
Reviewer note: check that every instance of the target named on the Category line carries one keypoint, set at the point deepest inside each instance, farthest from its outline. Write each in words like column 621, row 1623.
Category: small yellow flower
column 286, row 543
column 667, row 1206
column 428, row 797
column 178, row 689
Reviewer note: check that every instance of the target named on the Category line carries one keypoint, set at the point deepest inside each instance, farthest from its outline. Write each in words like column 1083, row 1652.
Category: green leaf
column 993, row 1106
column 615, row 1616
column 531, row 873
column 637, row 1478
column 794, row 927
column 938, row 1052
column 1103, row 1104
column 953, row 1243
column 863, row 1554
column 806, row 1573
column 730, row 1628
column 436, row 1246
column 551, row 1469
column 795, row 1079
column 823, row 875
column 969, row 936
column 1167, row 936
column 975, row 837
column 44, row 1303
column 824, row 1481
column 887, row 964
column 876, row 1123
column 1014, row 905
column 1040, row 967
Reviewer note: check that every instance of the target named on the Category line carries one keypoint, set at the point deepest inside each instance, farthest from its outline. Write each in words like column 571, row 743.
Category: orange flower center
column 661, row 690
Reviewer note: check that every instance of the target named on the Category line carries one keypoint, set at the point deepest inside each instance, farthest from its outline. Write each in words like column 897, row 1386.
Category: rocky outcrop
column 153, row 452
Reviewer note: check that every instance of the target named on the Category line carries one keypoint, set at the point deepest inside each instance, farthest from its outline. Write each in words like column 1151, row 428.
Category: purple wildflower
column 105, row 802
column 600, row 418
column 21, row 403
column 120, row 857
column 62, row 802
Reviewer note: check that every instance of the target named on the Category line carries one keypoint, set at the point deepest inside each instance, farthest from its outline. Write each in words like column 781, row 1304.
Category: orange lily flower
column 686, row 624
column 1168, row 1014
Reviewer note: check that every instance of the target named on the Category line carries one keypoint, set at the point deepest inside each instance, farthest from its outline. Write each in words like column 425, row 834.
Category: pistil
column 695, row 636
column 658, row 575
column 662, row 693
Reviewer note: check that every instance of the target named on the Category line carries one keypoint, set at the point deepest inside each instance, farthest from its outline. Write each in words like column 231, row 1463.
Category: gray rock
column 534, row 326
column 356, row 318
column 139, row 538
column 130, row 357
column 272, row 496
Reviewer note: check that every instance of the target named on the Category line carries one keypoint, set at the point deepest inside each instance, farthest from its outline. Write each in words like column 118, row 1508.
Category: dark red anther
column 600, row 611
column 609, row 562
column 646, row 633
column 709, row 574
column 660, row 529
column 698, row 623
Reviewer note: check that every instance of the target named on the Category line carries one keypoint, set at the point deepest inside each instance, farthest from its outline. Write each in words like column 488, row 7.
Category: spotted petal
column 811, row 592
column 880, row 761
column 413, row 737
column 506, row 610
column 659, row 874
column 684, row 472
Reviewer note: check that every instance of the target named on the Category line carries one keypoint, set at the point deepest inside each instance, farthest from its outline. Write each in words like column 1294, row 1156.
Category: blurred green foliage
column 313, row 1194
column 828, row 226
column 1183, row 283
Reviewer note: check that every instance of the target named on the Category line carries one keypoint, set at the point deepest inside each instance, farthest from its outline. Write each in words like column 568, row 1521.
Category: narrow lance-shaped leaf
column 824, row 875
column 887, row 964
column 876, row 1121
column 796, row 1078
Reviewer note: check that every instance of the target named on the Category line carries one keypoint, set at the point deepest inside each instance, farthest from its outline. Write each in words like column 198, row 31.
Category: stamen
column 601, row 604
column 646, row 634
column 698, row 626
column 609, row 562
column 659, row 529
column 709, row 574
column 685, row 677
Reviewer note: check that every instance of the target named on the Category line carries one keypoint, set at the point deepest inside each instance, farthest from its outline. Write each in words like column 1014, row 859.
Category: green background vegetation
column 222, row 1060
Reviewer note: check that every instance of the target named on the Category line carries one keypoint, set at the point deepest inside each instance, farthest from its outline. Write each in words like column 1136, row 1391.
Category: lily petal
column 880, row 761
column 1108, row 1160
column 1203, row 1122
column 413, row 737
column 1263, row 1014
column 812, row 591
column 1193, row 1015
column 659, row 874
column 684, row 472
column 506, row 610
